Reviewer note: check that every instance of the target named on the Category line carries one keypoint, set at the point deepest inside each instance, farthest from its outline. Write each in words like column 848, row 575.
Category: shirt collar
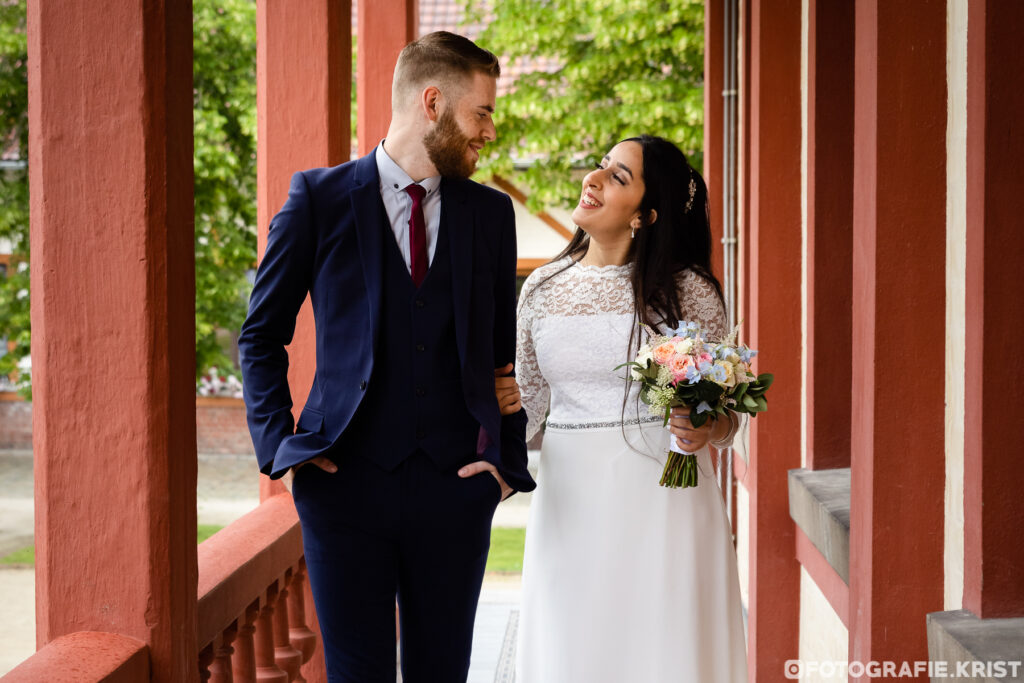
column 394, row 179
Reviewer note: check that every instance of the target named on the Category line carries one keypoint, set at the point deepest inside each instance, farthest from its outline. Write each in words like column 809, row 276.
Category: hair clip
column 693, row 191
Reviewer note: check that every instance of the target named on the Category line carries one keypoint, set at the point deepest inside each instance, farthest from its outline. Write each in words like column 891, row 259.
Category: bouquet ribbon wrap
column 680, row 468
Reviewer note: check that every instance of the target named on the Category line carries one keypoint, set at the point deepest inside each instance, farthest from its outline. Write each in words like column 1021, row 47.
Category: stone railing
column 251, row 615
column 89, row 656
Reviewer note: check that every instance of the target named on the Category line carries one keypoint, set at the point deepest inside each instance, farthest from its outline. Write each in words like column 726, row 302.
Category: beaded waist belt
column 651, row 419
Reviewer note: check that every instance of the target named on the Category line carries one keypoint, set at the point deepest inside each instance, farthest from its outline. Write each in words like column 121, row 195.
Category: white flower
column 684, row 346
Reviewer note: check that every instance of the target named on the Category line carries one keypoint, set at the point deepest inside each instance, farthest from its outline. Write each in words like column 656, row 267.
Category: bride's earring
column 632, row 230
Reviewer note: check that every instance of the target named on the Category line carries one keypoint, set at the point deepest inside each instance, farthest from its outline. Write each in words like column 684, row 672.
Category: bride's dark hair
column 679, row 238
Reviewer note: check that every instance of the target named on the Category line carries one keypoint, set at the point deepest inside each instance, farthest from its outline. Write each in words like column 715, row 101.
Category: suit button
column 420, row 433
column 421, row 348
column 420, row 303
column 420, row 391
column 362, row 385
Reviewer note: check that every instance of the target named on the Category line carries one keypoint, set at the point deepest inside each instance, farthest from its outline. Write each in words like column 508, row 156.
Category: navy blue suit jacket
column 326, row 242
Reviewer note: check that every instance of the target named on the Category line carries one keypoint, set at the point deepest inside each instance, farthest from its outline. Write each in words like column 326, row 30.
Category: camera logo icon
column 793, row 668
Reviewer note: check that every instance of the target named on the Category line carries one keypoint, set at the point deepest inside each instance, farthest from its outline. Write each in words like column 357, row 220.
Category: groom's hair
column 443, row 59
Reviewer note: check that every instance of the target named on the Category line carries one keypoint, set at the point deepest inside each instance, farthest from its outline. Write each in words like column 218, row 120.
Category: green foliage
column 626, row 67
column 14, row 289
column 224, row 44
column 224, row 99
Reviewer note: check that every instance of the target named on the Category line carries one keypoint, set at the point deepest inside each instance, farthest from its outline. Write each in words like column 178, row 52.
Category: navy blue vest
column 414, row 399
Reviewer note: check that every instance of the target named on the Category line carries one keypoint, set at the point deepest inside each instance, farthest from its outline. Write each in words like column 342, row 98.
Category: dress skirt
column 625, row 581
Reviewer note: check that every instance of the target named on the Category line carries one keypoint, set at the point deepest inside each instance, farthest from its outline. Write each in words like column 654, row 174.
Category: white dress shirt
column 398, row 204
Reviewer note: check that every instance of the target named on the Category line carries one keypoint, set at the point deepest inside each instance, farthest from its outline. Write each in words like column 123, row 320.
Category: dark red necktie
column 417, row 235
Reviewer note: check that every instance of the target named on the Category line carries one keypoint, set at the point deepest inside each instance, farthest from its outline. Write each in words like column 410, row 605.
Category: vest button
column 421, row 347
column 420, row 433
column 420, row 391
column 362, row 385
column 420, row 303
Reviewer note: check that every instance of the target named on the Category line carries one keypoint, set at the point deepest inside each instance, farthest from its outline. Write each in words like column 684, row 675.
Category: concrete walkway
column 227, row 489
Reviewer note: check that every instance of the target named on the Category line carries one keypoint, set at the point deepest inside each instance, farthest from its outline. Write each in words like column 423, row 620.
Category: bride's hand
column 507, row 390
column 691, row 438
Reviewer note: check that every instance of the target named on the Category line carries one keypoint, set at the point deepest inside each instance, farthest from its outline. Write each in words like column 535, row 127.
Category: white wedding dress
column 624, row 581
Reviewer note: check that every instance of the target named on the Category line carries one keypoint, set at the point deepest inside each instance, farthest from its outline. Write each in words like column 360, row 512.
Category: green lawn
column 506, row 554
column 207, row 530
column 28, row 555
column 23, row 556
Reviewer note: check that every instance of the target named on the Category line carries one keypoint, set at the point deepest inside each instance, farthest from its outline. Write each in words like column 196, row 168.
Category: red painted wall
column 993, row 477
column 899, row 284
column 774, row 323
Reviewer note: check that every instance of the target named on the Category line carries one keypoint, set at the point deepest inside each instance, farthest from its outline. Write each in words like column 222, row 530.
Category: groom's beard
column 446, row 146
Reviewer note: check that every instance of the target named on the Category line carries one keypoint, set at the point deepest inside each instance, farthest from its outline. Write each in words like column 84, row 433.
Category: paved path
column 227, row 489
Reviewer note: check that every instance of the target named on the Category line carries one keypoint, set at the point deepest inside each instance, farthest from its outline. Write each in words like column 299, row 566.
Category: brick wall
column 15, row 422
column 220, row 424
column 221, row 427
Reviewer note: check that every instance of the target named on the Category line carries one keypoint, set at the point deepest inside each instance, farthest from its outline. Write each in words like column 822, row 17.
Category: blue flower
column 703, row 407
column 686, row 329
column 718, row 373
column 692, row 375
column 746, row 354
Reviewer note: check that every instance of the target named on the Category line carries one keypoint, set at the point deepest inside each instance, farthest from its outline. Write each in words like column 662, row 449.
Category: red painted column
column 714, row 40
column 113, row 322
column 303, row 100
column 829, row 231
column 899, row 278
column 385, row 27
column 303, row 95
column 993, row 477
column 774, row 315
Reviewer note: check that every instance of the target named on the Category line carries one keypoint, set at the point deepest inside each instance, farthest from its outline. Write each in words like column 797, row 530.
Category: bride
column 623, row 580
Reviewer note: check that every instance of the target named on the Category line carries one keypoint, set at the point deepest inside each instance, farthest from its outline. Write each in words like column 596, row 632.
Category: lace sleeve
column 701, row 303
column 532, row 386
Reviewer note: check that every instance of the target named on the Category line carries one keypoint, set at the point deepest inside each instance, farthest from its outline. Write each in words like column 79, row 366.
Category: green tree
column 224, row 98
column 14, row 289
column 619, row 68
column 224, row 44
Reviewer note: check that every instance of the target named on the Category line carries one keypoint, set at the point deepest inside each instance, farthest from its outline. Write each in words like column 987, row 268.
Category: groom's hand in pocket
column 507, row 390
column 480, row 466
column 323, row 463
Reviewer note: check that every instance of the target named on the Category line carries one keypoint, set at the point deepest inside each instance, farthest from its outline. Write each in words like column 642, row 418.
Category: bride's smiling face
column 610, row 200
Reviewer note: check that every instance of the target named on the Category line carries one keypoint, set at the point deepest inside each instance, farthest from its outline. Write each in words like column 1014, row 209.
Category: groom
column 400, row 455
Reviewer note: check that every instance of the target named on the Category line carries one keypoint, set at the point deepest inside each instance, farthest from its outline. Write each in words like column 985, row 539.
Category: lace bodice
column 574, row 328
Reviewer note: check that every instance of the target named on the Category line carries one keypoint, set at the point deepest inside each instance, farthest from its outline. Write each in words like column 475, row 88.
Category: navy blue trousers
column 417, row 533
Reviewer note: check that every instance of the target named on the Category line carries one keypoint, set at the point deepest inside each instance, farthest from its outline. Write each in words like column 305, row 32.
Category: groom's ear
column 430, row 102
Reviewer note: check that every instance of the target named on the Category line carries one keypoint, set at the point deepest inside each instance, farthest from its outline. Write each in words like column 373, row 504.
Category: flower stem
column 680, row 471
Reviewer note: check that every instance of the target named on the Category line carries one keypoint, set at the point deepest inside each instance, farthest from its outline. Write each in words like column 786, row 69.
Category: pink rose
column 678, row 364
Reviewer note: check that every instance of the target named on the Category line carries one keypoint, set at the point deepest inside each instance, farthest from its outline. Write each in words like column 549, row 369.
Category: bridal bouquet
column 710, row 378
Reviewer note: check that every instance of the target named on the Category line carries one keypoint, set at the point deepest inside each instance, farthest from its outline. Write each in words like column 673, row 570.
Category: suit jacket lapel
column 368, row 210
column 457, row 218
